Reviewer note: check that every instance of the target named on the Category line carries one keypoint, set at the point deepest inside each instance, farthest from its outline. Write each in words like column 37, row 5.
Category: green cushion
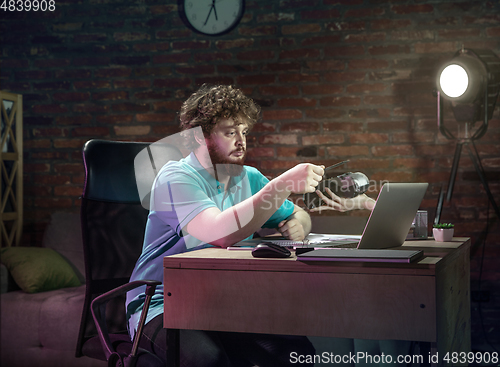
column 37, row 269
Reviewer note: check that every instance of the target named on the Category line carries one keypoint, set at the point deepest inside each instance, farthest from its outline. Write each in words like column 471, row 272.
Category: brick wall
column 337, row 79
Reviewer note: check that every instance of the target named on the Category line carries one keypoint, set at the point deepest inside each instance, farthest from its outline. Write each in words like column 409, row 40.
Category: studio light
column 470, row 82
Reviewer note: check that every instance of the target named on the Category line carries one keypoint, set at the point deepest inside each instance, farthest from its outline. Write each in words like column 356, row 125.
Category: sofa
column 42, row 298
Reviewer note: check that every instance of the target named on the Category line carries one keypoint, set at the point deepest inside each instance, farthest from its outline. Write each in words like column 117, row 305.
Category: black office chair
column 113, row 222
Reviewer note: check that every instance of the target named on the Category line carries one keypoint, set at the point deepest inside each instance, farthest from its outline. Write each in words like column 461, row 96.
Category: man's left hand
column 292, row 229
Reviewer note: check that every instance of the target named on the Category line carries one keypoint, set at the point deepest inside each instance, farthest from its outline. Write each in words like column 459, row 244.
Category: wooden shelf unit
column 11, row 169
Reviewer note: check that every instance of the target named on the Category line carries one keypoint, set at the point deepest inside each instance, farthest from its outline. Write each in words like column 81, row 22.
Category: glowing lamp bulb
column 454, row 80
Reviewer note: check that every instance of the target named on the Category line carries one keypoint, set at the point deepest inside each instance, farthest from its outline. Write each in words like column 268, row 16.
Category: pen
column 336, row 165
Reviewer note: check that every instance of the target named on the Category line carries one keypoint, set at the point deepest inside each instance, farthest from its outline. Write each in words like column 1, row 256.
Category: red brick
column 264, row 127
column 282, row 67
column 71, row 96
column 52, row 131
column 459, row 33
column 299, row 127
column 365, row 37
column 325, row 113
column 412, row 137
column 151, row 47
column 167, row 105
column 390, row 23
column 90, row 131
column 340, row 101
column 367, row 163
column 252, row 55
column 323, row 139
column 171, row 58
column 235, row 43
column 172, row 83
column 130, row 107
column 131, row 84
column 370, row 113
column 376, row 12
column 259, row 152
column 344, row 76
column 368, row 64
column 131, row 36
column 493, row 32
column 312, row 89
column 68, row 167
column 110, row 96
column 280, row 165
column 255, row 79
column 114, row 119
column 113, row 72
column 435, row 47
column 320, row 14
column 343, row 126
column 212, row 56
column 310, row 53
column 71, row 143
column 278, row 139
column 321, row 40
column 279, row 90
column 156, row 117
column 411, row 9
column 344, row 51
column 49, row 109
column 281, row 114
column 326, row 65
column 264, row 30
column 36, row 144
column 297, row 102
column 348, row 151
column 299, row 78
column 36, row 167
column 347, row 26
column 368, row 138
column 132, row 130
column 392, row 150
column 67, row 191
column 92, row 84
column 386, row 176
column 190, row 45
column 389, row 50
column 51, row 179
column 300, row 28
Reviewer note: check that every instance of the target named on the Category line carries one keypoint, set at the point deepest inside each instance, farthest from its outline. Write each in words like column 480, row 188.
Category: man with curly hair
column 210, row 198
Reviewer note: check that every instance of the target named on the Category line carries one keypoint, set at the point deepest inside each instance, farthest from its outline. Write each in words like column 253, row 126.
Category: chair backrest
column 112, row 217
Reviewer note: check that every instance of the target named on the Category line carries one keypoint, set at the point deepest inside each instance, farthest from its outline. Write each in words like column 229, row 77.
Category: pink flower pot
column 443, row 234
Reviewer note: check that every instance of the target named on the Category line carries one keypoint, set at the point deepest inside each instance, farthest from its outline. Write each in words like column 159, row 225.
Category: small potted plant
column 443, row 232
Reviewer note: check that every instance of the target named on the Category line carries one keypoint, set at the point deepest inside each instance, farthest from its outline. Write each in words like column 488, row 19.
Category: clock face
column 212, row 17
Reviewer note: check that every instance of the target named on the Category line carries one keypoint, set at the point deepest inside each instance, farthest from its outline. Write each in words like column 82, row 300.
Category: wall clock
column 211, row 17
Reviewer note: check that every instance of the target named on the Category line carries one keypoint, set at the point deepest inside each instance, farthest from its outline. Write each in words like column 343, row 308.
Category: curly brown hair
column 210, row 103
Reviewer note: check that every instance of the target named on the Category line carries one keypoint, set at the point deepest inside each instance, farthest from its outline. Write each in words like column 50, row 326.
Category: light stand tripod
column 473, row 154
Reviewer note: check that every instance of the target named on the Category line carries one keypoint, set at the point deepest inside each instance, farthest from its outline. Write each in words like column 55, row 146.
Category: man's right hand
column 302, row 178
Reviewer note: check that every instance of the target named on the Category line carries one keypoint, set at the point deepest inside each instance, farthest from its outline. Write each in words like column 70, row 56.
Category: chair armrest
column 98, row 308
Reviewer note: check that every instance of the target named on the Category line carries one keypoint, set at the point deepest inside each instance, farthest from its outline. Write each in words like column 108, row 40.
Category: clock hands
column 210, row 12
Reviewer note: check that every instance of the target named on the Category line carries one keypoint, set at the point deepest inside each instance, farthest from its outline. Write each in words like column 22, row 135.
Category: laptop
column 391, row 219
column 387, row 226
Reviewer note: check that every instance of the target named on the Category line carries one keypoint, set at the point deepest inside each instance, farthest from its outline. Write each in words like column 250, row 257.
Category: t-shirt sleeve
column 258, row 181
column 179, row 192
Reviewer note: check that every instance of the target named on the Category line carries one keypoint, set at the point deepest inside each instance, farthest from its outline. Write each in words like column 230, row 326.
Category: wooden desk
column 427, row 301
